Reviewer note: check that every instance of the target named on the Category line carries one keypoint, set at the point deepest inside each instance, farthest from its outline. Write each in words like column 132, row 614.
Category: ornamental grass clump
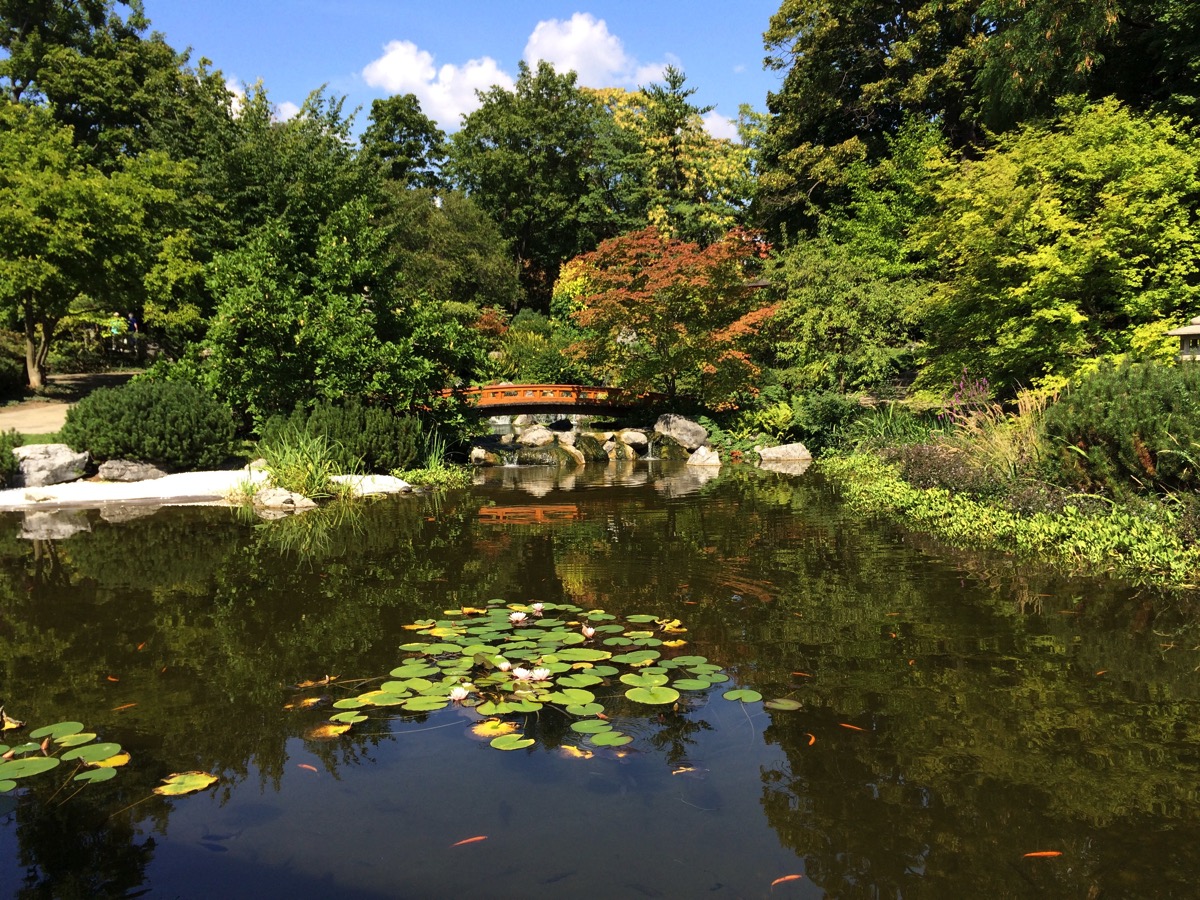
column 305, row 463
column 169, row 423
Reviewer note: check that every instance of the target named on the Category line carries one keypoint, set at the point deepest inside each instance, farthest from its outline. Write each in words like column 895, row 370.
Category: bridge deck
column 503, row 399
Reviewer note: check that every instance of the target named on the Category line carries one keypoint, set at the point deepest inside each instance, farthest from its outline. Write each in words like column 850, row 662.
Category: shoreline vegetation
column 1110, row 539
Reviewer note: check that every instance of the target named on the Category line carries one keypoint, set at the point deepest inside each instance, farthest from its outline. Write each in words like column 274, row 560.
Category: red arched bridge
column 564, row 399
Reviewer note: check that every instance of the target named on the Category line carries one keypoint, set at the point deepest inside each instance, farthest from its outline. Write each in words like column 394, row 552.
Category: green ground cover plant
column 1145, row 548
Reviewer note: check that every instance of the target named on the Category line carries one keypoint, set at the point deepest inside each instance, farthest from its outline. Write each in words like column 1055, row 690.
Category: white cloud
column 445, row 92
column 239, row 94
column 582, row 43
column 284, row 111
column 720, row 126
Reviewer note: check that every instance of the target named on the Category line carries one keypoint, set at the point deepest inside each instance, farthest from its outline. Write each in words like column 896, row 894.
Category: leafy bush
column 9, row 441
column 169, row 423
column 822, row 419
column 1136, row 426
column 374, row 438
column 12, row 365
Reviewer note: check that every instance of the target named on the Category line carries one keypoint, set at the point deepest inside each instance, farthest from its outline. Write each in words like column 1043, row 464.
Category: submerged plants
column 510, row 662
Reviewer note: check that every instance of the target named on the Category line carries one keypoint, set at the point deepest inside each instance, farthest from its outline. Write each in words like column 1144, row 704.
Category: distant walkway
column 48, row 414
column 511, row 399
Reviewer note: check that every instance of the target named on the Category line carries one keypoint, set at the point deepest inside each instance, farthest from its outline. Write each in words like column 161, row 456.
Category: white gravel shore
column 185, row 488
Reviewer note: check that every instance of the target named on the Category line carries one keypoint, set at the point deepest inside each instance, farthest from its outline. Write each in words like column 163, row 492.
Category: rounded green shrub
column 169, row 423
column 1129, row 428
column 371, row 436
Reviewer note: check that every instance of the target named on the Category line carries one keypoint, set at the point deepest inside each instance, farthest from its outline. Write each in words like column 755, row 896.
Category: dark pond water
column 958, row 711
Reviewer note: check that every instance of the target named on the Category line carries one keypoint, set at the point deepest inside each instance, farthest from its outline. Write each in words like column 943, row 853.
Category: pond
column 956, row 712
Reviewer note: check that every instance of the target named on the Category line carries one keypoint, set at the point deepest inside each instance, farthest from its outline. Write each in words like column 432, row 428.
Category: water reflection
column 996, row 710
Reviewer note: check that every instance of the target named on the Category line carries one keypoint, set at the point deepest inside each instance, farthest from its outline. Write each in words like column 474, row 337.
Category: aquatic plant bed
column 507, row 661
column 1120, row 542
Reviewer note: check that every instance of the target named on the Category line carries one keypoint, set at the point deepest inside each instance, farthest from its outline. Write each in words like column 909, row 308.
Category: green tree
column 666, row 315
column 406, row 142
column 544, row 161
column 855, row 71
column 1065, row 243
column 686, row 182
column 71, row 234
column 444, row 247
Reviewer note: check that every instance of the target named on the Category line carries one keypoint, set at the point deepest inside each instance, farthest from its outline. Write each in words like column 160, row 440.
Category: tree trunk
column 32, row 371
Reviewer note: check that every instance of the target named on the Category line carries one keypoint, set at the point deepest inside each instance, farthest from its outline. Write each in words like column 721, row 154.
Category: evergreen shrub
column 1133, row 427
column 169, row 423
column 372, row 437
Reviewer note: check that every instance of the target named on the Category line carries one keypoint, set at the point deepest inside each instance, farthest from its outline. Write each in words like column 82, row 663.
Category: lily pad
column 350, row 703
column 637, row 657
column 94, row 776
column 74, row 740
column 745, row 695
column 641, row 620
column 348, row 718
column 426, row 704
column 6, row 786
column 646, row 680
column 57, row 730
column 111, row 762
column 492, row 728
column 585, row 709
column 22, row 768
column 654, row 696
column 579, row 681
column 512, row 742
column 690, row 684
column 92, row 752
column 181, row 783
column 571, row 696
column 590, row 726
column 610, row 739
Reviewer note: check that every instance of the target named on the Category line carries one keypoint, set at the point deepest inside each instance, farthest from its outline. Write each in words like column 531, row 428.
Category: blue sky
column 443, row 52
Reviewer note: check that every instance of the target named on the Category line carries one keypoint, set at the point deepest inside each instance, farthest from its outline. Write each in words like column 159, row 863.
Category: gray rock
column 53, row 524
column 688, row 433
column 536, row 436
column 705, row 456
column 567, row 438
column 281, row 500
column 43, row 464
column 128, row 470
column 786, row 452
column 374, row 485
column 574, row 454
column 635, row 439
column 786, row 466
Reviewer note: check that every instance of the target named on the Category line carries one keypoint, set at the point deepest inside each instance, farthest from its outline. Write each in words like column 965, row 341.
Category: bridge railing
column 548, row 394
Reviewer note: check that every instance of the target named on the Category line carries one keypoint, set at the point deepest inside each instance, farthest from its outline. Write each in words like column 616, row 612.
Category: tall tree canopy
column 687, row 183
column 545, row 161
column 856, row 70
column 405, row 141
column 1064, row 243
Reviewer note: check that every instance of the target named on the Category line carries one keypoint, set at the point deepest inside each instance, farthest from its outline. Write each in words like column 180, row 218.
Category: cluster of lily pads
column 49, row 747
column 516, row 659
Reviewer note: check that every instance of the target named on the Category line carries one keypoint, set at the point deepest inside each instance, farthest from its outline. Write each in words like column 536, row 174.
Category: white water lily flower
column 537, row 608
column 588, row 631
column 503, row 665
column 458, row 693
column 539, row 674
column 516, row 618
column 521, row 674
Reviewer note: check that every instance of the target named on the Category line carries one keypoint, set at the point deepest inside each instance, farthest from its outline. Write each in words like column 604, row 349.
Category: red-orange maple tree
column 666, row 315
